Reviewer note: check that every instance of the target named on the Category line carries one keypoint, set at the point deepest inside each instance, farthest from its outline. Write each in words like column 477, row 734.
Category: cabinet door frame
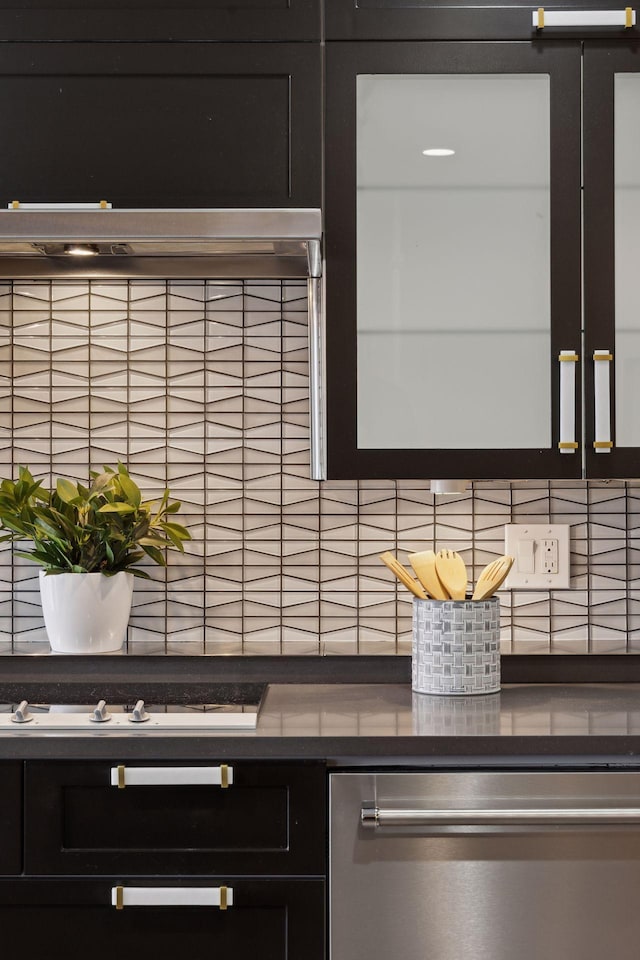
column 602, row 61
column 344, row 62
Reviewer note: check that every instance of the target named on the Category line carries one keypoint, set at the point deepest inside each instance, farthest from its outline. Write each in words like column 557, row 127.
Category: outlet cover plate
column 536, row 546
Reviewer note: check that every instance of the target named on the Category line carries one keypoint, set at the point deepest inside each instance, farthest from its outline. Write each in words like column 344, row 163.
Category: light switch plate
column 541, row 552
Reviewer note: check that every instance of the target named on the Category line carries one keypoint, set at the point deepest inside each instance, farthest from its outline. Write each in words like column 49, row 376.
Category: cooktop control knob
column 22, row 714
column 100, row 714
column 139, row 714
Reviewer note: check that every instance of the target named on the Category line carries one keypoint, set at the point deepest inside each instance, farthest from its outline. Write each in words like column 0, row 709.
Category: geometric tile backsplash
column 203, row 385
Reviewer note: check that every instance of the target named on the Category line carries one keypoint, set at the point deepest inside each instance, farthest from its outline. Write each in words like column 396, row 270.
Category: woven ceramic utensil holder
column 456, row 647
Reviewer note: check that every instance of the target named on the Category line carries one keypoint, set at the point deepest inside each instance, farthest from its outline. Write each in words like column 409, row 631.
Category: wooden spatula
column 424, row 564
column 492, row 578
column 403, row 575
column 452, row 573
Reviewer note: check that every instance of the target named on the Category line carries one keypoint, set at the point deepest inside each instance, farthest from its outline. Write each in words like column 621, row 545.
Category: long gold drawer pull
column 122, row 897
column 602, row 398
column 372, row 816
column 568, row 360
column 220, row 776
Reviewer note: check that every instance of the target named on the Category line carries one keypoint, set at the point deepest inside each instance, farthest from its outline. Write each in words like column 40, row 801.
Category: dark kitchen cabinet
column 454, row 279
column 237, row 866
column 272, row 919
column 161, row 125
column 611, row 239
column 446, row 20
column 270, row 820
column 457, row 278
column 11, row 821
column 160, row 20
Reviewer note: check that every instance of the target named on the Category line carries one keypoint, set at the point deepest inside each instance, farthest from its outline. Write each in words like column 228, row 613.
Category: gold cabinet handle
column 602, row 399
column 221, row 897
column 220, row 776
column 568, row 360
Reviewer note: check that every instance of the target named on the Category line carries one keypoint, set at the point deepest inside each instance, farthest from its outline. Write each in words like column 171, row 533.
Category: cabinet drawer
column 270, row 819
column 273, row 920
column 11, row 820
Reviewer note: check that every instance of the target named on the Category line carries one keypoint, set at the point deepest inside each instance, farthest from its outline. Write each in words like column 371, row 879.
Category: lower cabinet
column 164, row 859
column 270, row 919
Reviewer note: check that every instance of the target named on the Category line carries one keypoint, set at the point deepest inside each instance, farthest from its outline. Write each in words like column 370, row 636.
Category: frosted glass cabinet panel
column 453, row 261
column 627, row 251
column 453, row 280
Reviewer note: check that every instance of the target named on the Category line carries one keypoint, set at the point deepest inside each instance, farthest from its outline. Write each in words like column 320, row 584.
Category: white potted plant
column 88, row 540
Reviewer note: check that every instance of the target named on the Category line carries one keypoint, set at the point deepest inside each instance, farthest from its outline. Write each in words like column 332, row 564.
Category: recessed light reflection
column 438, row 152
column 81, row 249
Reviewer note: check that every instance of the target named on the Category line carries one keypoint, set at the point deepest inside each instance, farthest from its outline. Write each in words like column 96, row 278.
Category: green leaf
column 178, row 529
column 117, row 508
column 155, row 554
column 66, row 490
column 130, row 490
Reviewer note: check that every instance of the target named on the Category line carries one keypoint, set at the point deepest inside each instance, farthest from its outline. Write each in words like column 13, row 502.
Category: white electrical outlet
column 541, row 552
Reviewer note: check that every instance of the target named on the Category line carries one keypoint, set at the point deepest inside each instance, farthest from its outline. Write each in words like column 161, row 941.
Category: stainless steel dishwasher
column 485, row 866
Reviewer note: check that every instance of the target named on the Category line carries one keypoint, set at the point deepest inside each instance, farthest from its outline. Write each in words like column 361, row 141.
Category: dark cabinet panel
column 160, row 20
column 271, row 819
column 270, row 919
column 161, row 125
column 11, row 820
column 449, row 20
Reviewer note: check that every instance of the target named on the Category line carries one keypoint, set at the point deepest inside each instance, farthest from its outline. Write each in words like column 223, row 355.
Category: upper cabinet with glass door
column 612, row 258
column 453, row 259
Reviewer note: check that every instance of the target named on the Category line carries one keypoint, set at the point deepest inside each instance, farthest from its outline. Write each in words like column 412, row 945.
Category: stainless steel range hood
column 95, row 242
column 60, row 241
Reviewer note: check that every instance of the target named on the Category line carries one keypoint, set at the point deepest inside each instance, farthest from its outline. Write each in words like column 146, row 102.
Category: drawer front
column 273, row 920
column 269, row 819
column 11, row 820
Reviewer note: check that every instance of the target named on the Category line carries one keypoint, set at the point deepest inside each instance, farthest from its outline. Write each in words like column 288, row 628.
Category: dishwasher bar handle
column 373, row 816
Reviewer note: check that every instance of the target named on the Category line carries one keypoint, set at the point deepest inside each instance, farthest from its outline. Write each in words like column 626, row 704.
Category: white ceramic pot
column 86, row 612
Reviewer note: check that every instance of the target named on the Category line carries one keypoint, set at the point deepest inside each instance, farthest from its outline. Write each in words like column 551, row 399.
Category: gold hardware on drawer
column 224, row 777
column 223, row 898
column 628, row 17
column 603, row 356
column 602, row 444
column 119, row 898
column 15, row 204
column 121, row 780
column 567, row 445
column 540, row 18
column 572, row 357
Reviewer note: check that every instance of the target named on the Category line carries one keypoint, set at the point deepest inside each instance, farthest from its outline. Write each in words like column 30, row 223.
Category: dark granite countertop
column 371, row 722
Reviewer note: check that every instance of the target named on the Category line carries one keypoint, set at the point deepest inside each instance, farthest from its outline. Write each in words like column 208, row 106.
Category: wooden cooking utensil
column 424, row 564
column 452, row 573
column 403, row 575
column 492, row 578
